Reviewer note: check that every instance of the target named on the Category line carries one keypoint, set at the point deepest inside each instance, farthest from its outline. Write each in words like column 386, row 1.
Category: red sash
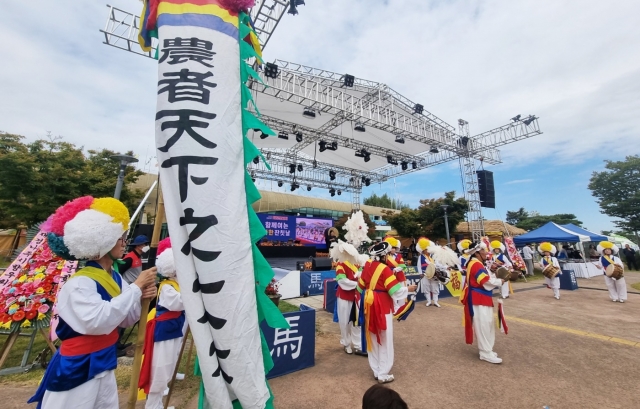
column 144, row 382
column 86, row 344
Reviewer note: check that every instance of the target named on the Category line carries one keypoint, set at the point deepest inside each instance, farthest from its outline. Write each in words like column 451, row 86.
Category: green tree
column 38, row 177
column 428, row 218
column 532, row 223
column 384, row 201
column 516, row 217
column 616, row 190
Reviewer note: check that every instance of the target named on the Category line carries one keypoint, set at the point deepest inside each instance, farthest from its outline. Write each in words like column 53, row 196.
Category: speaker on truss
column 486, row 189
column 321, row 264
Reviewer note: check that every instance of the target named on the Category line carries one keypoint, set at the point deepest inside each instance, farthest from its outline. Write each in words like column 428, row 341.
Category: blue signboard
column 312, row 282
column 292, row 349
column 568, row 280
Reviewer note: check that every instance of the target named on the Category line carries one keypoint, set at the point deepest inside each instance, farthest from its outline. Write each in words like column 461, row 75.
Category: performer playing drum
column 429, row 284
column 614, row 270
column 550, row 267
column 499, row 259
column 463, row 245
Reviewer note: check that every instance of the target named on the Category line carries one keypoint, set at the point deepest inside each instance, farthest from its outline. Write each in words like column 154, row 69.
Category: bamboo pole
column 144, row 311
column 175, row 371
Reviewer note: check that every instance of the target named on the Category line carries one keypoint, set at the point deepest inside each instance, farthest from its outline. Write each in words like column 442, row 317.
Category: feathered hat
column 546, row 246
column 393, row 242
column 475, row 247
column 463, row 245
column 422, row 244
column 164, row 261
column 87, row 228
column 380, row 249
column 497, row 245
column 607, row 245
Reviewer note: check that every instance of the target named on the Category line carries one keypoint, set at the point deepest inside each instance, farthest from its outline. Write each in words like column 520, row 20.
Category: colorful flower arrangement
column 272, row 288
column 31, row 287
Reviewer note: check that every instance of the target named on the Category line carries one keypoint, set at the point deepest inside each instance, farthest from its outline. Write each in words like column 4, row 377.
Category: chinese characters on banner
column 200, row 152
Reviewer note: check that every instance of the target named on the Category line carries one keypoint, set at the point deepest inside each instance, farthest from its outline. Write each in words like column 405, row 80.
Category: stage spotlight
column 298, row 135
column 300, row 168
column 308, row 188
column 339, row 192
column 262, row 135
column 359, row 126
column 362, row 153
column 405, row 165
column 322, row 145
column 528, row 121
column 516, row 118
column 253, row 180
column 434, row 150
column 391, row 161
column 293, row 6
column 292, row 168
column 268, row 155
column 414, row 165
column 332, row 175
column 256, row 160
column 367, row 182
column 309, row 112
column 315, row 164
column 271, row 70
column 333, row 146
column 332, row 191
column 280, row 183
column 293, row 187
column 464, row 141
column 399, row 138
column 418, row 109
column 283, row 135
column 348, row 80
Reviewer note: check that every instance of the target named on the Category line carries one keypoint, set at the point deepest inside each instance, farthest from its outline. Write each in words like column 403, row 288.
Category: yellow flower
column 6, row 325
column 41, row 316
column 40, row 290
column 22, row 279
column 39, row 276
column 14, row 307
column 40, row 269
column 26, row 324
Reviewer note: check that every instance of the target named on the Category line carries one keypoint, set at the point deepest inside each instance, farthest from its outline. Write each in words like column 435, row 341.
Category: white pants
column 349, row 333
column 101, row 392
column 554, row 284
column 430, row 288
column 484, row 330
column 617, row 288
column 463, row 278
column 165, row 356
column 381, row 355
column 504, row 291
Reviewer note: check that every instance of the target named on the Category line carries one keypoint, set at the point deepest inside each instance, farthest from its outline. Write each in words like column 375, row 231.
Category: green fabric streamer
column 249, row 121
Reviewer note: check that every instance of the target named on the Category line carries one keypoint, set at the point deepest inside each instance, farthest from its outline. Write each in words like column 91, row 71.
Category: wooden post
column 144, row 311
column 6, row 348
column 52, row 347
column 175, row 371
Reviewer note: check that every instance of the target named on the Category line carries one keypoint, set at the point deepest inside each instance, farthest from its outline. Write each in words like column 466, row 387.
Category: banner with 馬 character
column 201, row 123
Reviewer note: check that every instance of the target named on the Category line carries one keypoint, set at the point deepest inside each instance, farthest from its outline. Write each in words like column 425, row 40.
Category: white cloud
column 518, row 181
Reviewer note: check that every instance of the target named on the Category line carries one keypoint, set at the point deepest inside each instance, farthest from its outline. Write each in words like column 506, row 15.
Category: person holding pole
column 92, row 305
column 165, row 330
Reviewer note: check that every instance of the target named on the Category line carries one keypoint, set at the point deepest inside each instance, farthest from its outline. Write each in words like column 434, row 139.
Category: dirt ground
column 582, row 351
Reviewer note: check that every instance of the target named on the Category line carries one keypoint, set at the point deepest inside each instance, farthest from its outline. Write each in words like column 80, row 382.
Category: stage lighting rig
column 256, row 160
column 271, row 70
column 292, row 168
column 298, row 135
column 528, row 121
column 280, row 183
column 516, row 118
column 363, row 153
column 308, row 188
column 434, row 150
column 418, row 109
column 294, row 186
column 283, row 135
column 293, row 4
column 339, row 192
column 404, row 165
column 399, row 138
column 391, row 161
column 359, row 126
column 300, row 168
column 262, row 135
column 309, row 112
column 348, row 80
column 332, row 175
column 332, row 192
column 414, row 165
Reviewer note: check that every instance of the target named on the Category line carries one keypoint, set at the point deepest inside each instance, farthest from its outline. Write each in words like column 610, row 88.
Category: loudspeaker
column 321, row 263
column 486, row 189
column 300, row 265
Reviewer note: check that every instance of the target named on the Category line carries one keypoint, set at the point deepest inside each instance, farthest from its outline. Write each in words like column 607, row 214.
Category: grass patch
column 4, row 263
column 16, row 353
column 287, row 307
column 636, row 286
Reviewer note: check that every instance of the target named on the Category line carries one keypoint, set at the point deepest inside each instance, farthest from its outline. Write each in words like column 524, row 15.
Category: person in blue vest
column 165, row 330
column 616, row 285
column 92, row 305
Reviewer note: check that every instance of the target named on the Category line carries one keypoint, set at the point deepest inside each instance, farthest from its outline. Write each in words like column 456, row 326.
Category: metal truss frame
column 265, row 16
column 121, row 31
column 470, row 186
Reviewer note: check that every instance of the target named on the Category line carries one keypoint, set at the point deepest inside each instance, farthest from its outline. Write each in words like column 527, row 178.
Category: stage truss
column 379, row 133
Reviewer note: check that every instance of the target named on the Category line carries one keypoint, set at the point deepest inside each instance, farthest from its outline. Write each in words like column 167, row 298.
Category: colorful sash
column 369, row 297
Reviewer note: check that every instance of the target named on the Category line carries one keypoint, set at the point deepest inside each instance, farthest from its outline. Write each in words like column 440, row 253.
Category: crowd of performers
column 372, row 291
column 372, row 294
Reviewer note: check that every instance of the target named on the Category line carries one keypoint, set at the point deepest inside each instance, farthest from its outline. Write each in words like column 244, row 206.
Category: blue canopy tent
column 550, row 232
column 592, row 236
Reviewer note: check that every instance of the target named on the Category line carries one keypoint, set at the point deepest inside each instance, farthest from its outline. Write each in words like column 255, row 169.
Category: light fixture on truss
column 418, row 109
column 359, row 126
column 414, row 165
column 298, row 135
column 399, row 138
column 262, row 135
column 348, row 80
column 308, row 188
column 324, row 145
column 280, row 183
column 516, row 118
column 391, row 161
column 256, row 160
column 366, row 181
column 434, row 149
column 300, row 168
column 283, row 135
column 309, row 112
column 332, row 175
column 293, row 4
column 271, row 70
column 528, row 121
column 363, row 153
column 404, row 165
column 339, row 192
column 292, row 168
column 294, row 186
column 332, row 192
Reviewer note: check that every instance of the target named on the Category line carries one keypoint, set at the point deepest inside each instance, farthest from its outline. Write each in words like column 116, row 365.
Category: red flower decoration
column 18, row 316
column 31, row 314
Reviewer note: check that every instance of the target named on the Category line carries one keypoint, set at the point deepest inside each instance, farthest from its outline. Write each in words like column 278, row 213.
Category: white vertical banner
column 200, row 152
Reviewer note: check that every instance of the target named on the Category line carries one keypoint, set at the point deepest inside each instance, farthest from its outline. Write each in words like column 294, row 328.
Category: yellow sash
column 101, row 277
column 393, row 261
column 368, row 300
column 608, row 259
column 172, row 283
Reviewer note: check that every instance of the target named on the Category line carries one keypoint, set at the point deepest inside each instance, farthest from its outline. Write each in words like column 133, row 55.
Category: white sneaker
column 179, row 376
column 614, row 300
column 493, row 359
column 166, row 392
column 436, row 304
column 386, row 379
column 348, row 350
column 621, row 301
column 556, row 297
column 429, row 304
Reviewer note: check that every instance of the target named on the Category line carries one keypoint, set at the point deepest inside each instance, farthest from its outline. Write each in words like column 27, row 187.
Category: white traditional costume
column 553, row 283
column 463, row 245
column 165, row 330
column 378, row 288
column 479, row 318
column 498, row 260
column 91, row 306
column 617, row 288
column 430, row 287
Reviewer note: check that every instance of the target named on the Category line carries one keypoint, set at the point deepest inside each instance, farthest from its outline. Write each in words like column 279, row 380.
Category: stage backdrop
column 308, row 230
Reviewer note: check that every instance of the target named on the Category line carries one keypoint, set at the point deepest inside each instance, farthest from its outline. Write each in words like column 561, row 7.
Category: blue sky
column 576, row 65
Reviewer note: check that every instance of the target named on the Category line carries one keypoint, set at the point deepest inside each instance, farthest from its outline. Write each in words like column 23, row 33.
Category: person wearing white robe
column 548, row 250
column 498, row 257
column 617, row 288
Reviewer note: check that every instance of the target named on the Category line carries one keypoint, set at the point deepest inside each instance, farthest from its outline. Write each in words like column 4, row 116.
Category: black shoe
column 360, row 353
column 121, row 353
column 124, row 346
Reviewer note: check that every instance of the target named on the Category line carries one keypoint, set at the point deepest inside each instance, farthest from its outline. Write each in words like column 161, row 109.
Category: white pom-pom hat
column 164, row 261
